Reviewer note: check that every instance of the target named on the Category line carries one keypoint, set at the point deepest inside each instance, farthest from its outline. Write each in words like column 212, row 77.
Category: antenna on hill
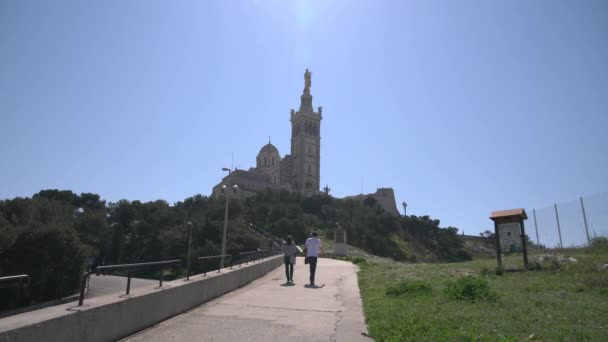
column 361, row 185
column 232, row 162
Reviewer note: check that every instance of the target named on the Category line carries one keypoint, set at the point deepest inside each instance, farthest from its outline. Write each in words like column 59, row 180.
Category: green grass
column 455, row 302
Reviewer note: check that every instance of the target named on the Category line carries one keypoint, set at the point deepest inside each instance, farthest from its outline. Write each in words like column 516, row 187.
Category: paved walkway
column 268, row 310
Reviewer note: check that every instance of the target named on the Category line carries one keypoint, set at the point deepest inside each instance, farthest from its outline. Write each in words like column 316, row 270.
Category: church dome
column 268, row 157
column 269, row 149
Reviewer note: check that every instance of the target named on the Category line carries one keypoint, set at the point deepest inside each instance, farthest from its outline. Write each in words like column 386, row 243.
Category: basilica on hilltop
column 298, row 171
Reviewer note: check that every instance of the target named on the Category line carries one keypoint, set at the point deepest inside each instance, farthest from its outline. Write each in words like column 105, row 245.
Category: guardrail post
column 20, row 284
column 82, row 287
column 128, row 281
column 160, row 284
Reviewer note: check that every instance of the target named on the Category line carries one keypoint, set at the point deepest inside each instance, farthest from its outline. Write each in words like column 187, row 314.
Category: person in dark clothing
column 289, row 258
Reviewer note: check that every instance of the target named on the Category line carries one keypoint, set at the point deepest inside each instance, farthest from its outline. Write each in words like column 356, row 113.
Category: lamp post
column 226, row 193
column 189, row 246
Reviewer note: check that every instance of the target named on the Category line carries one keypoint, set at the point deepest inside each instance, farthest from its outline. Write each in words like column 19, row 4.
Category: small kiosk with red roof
column 510, row 233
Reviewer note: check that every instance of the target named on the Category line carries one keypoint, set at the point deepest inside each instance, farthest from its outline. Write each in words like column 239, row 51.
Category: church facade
column 297, row 172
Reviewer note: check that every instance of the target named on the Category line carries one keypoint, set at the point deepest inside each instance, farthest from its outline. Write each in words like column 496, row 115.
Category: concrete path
column 268, row 310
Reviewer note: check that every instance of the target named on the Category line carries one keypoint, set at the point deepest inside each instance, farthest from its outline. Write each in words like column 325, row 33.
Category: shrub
column 599, row 242
column 534, row 266
column 554, row 265
column 408, row 287
column 358, row 260
column 463, row 255
column 499, row 270
column 485, row 271
column 470, row 289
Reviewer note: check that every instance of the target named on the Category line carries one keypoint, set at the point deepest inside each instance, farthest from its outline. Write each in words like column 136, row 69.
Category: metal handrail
column 257, row 255
column 128, row 267
column 204, row 258
column 17, row 281
column 15, row 278
column 247, row 255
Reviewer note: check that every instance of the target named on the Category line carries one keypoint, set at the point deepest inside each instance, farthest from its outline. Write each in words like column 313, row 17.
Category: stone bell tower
column 306, row 143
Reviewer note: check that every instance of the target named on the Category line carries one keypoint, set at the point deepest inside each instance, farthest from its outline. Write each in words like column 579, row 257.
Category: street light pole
column 226, row 192
column 189, row 246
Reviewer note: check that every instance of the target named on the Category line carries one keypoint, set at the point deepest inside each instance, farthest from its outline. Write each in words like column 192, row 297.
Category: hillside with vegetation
column 53, row 235
column 368, row 226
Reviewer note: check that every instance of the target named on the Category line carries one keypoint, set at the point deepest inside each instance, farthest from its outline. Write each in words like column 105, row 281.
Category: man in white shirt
column 313, row 246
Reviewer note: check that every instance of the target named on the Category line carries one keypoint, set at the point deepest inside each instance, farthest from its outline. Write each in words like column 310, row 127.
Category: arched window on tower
column 272, row 161
column 265, row 161
column 309, row 169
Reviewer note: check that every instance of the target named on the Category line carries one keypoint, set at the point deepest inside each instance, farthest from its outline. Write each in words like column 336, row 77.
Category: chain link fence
column 569, row 224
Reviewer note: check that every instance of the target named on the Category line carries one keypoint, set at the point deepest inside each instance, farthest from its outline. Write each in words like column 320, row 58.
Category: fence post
column 82, row 288
column 536, row 227
column 160, row 284
column 559, row 230
column 19, row 289
column 585, row 220
column 128, row 281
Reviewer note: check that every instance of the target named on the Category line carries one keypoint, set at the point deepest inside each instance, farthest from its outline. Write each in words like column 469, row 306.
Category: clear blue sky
column 463, row 107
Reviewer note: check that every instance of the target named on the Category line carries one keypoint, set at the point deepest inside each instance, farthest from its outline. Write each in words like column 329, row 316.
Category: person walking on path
column 289, row 258
column 313, row 245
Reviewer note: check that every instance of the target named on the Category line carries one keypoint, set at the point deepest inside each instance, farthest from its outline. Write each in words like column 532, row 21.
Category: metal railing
column 203, row 261
column 254, row 256
column 128, row 267
column 243, row 258
column 248, row 257
column 15, row 279
column 19, row 280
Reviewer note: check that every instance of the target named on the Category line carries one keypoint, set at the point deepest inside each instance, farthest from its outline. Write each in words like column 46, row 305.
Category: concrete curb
column 112, row 317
